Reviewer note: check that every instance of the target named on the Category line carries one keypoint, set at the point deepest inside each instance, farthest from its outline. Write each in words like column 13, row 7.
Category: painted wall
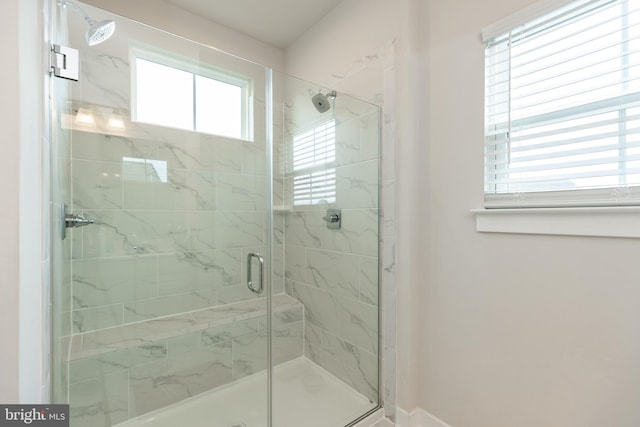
column 160, row 14
column 23, row 256
column 520, row 330
column 9, row 173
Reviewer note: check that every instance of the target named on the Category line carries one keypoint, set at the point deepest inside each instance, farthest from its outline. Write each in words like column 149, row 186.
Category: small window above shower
column 178, row 93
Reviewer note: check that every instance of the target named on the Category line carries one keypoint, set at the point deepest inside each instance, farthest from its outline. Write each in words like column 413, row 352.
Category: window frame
column 196, row 69
column 500, row 34
column 591, row 221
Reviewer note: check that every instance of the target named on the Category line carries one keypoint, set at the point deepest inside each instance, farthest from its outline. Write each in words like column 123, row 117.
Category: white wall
column 526, row 331
column 23, row 260
column 9, row 161
column 168, row 17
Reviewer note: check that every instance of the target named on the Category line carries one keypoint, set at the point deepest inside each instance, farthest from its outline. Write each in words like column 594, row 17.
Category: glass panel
column 164, row 95
column 218, row 107
column 325, row 160
column 151, row 301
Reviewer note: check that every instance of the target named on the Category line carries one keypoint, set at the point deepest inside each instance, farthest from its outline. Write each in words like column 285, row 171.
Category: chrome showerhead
column 97, row 32
column 321, row 102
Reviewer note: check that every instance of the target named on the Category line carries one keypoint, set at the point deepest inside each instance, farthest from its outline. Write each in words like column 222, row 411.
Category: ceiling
column 276, row 22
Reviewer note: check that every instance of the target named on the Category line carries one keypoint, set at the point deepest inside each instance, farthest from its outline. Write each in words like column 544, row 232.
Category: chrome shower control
column 333, row 218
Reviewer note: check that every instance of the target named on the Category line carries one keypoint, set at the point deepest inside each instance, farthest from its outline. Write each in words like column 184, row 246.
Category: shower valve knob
column 333, row 218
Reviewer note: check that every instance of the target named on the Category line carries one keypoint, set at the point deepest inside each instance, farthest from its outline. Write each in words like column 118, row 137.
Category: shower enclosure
column 215, row 237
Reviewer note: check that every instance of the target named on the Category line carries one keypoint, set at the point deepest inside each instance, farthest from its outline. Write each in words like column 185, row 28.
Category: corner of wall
column 33, row 324
column 9, row 74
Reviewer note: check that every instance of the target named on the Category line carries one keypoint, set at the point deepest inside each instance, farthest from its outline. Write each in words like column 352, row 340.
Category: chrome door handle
column 260, row 287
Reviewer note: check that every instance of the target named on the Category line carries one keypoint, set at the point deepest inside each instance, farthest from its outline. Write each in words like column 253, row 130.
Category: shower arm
column 84, row 14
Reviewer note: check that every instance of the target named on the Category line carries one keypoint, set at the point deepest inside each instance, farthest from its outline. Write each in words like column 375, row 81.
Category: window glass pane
column 562, row 97
column 164, row 95
column 218, row 107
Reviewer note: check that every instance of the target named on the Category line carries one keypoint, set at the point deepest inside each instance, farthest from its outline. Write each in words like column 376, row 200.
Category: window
column 313, row 165
column 562, row 108
column 173, row 93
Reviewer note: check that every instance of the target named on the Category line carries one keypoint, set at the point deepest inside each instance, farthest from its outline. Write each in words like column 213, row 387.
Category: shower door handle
column 260, row 287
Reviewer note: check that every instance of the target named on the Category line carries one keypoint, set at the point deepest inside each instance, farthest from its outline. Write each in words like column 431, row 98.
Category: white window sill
column 619, row 221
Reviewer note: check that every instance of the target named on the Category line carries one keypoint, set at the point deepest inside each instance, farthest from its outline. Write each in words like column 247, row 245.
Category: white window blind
column 562, row 108
column 313, row 165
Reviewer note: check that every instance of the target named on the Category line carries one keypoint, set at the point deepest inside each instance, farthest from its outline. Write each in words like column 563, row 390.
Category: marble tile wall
column 160, row 247
column 372, row 77
column 176, row 213
column 123, row 372
column 334, row 273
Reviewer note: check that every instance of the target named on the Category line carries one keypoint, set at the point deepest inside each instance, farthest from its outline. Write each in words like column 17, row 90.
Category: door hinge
column 64, row 62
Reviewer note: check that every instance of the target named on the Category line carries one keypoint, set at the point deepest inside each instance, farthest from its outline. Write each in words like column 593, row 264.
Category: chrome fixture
column 321, row 102
column 97, row 32
column 64, row 62
column 72, row 220
column 260, row 287
column 333, row 218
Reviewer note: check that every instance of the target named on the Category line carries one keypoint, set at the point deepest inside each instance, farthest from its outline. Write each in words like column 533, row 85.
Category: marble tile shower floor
column 305, row 395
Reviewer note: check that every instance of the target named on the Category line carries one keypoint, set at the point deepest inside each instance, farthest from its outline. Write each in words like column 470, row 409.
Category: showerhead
column 321, row 102
column 97, row 32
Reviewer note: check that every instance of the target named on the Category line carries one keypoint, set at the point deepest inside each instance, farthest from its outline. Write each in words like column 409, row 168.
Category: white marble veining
column 165, row 360
column 334, row 272
column 188, row 150
column 359, row 324
column 190, row 271
column 196, row 226
column 322, row 308
column 357, row 185
column 98, row 282
column 155, row 329
column 120, row 233
column 99, row 401
column 349, row 362
column 369, row 281
column 358, row 235
column 215, row 230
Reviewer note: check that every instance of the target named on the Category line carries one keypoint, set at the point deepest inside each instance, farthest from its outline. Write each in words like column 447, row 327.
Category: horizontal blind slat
column 563, row 101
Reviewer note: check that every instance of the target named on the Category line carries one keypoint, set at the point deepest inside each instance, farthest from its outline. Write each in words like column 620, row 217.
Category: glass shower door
column 162, row 145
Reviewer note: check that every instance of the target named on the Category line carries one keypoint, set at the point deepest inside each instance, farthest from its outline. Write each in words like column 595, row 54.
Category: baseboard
column 418, row 418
